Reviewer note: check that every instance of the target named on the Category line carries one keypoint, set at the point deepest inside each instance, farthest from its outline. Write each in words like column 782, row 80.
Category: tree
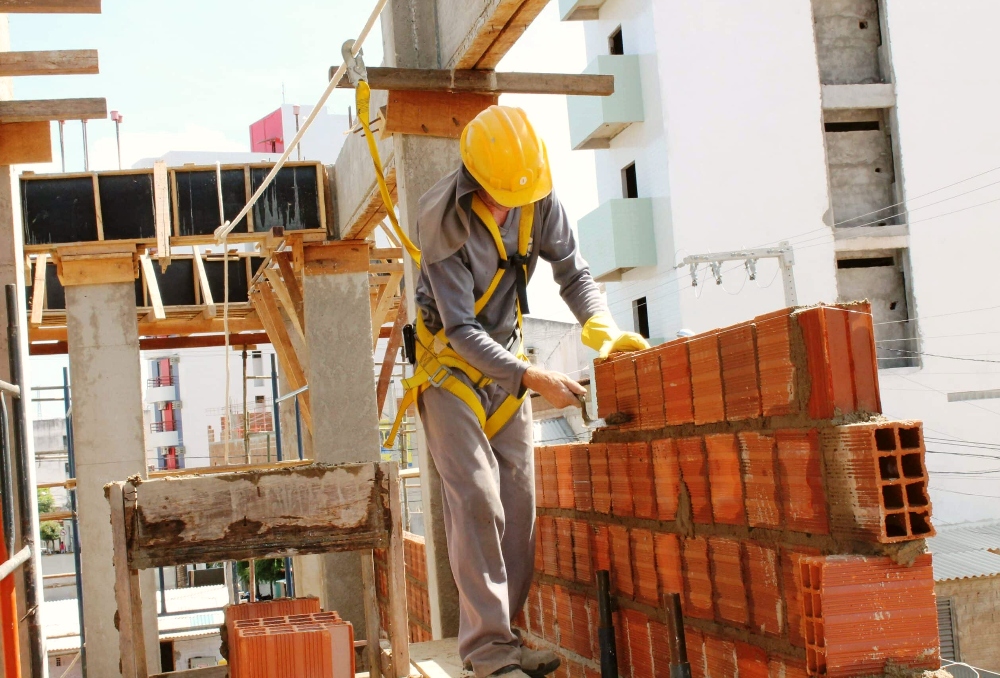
column 268, row 570
column 50, row 530
column 45, row 500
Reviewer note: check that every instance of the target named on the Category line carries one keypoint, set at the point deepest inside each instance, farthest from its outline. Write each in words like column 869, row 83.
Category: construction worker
column 481, row 231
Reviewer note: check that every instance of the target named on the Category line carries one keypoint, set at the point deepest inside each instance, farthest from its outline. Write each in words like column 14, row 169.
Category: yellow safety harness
column 436, row 360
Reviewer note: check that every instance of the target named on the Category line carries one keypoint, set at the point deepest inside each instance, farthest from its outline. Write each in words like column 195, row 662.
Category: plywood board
column 25, row 142
column 436, row 114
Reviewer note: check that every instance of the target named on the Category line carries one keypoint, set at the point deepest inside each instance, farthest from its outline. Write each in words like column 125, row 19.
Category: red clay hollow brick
column 581, row 643
column 564, row 548
column 564, row 617
column 866, row 388
column 650, row 380
column 694, row 474
column 877, row 481
column 659, row 644
column 757, row 460
column 861, row 612
column 720, row 657
column 640, row 466
column 666, row 477
column 739, row 372
column 706, row 379
column 621, row 481
column 803, row 500
column 764, row 582
column 676, row 371
column 600, row 546
column 751, row 661
column 621, row 561
column 669, row 568
column 604, row 382
column 724, row 476
column 564, row 476
column 627, row 391
column 639, row 645
column 550, row 477
column 600, row 477
column 644, row 567
column 540, row 499
column 621, row 645
column 549, row 623
column 582, row 562
column 580, row 467
column 697, row 579
column 696, row 651
column 546, row 527
column 727, row 574
column 776, row 364
column 790, row 586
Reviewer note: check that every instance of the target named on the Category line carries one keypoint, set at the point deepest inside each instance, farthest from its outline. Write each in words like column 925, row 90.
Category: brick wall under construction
column 418, row 601
column 750, row 470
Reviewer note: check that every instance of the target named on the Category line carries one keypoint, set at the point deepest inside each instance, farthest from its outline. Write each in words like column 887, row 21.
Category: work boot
column 512, row 671
column 538, row 663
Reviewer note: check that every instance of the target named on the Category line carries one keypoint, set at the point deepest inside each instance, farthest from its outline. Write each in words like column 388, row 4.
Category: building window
column 615, row 43
column 640, row 317
column 630, row 184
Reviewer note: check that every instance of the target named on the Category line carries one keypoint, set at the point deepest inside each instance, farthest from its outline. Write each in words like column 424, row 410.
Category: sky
column 195, row 77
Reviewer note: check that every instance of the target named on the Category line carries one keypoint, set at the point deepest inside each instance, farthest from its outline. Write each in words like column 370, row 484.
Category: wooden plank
column 487, row 82
column 152, row 287
column 387, row 229
column 387, row 253
column 344, row 256
column 390, row 268
column 399, row 627
column 50, row 62
column 203, row 286
column 50, row 6
column 369, row 593
column 264, row 301
column 38, row 289
column 161, row 206
column 25, row 142
column 436, row 114
column 484, row 31
column 233, row 468
column 372, row 211
column 389, row 360
column 259, row 514
column 53, row 109
column 496, row 33
column 438, row 659
column 96, row 270
column 281, row 291
column 385, row 297
column 130, row 639
column 97, row 208
column 284, row 261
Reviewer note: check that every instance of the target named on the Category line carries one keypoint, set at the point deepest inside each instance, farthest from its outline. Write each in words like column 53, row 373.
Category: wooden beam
column 50, row 6
column 435, row 114
column 495, row 33
column 233, row 468
column 385, row 297
column 161, row 209
column 25, row 142
column 130, row 628
column 389, row 360
column 52, row 62
column 287, row 269
column 38, row 290
column 486, row 82
column 387, row 253
column 53, row 109
column 152, row 286
column 264, row 301
column 274, row 277
column 233, row 516
column 206, row 289
column 96, row 263
column 166, row 343
column 337, row 257
column 396, row 571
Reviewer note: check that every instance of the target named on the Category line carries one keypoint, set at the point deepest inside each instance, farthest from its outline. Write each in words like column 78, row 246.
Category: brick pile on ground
column 418, row 600
column 754, row 475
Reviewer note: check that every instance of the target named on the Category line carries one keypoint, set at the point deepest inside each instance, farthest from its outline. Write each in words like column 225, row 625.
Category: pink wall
column 266, row 135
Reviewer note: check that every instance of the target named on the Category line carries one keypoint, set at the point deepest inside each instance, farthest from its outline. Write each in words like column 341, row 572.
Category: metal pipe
column 606, row 629
column 246, row 411
column 298, row 428
column 7, row 479
column 26, row 490
column 11, row 388
column 274, row 404
column 62, row 144
column 19, row 559
column 292, row 394
column 679, row 666
column 86, row 150
column 252, row 581
column 75, row 524
column 163, row 592
column 289, row 578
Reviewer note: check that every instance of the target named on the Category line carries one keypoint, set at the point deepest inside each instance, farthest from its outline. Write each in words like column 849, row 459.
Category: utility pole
column 783, row 253
column 298, row 149
column 86, row 150
column 62, row 143
column 118, row 118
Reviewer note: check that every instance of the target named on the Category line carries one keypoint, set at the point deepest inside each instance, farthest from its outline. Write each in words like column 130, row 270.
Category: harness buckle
column 436, row 380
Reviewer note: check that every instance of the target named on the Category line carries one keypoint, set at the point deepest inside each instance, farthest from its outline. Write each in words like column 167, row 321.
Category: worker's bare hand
column 555, row 387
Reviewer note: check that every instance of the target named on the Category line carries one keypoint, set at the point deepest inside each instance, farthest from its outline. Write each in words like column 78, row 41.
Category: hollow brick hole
column 888, row 469
column 909, row 438
column 920, row 523
column 820, row 635
column 885, row 439
column 892, row 497
column 807, row 604
column 811, row 632
column 916, row 494
column 895, row 525
column 817, row 605
column 913, row 467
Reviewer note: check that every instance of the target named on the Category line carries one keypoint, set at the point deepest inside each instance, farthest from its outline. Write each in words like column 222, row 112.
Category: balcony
column 595, row 121
column 164, row 434
column 161, row 390
column 579, row 10
column 852, row 97
column 617, row 237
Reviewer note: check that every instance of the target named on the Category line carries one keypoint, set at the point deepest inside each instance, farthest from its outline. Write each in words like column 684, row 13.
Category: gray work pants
column 488, row 489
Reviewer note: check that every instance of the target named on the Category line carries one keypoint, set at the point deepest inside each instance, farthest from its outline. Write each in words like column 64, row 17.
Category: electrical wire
column 938, row 355
column 901, row 213
column 967, row 494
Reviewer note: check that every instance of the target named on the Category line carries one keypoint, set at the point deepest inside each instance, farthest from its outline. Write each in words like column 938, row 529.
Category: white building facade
column 857, row 131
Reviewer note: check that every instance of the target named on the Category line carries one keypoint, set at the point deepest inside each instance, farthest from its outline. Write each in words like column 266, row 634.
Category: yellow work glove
column 602, row 334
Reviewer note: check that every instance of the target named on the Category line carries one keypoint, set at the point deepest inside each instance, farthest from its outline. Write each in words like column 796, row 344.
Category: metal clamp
column 356, row 71
column 435, row 381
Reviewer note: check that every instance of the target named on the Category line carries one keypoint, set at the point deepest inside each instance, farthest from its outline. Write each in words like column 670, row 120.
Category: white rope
column 226, row 227
column 225, row 302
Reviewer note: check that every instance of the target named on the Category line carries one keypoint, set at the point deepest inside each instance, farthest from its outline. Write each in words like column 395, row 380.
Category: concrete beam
column 839, row 97
column 354, row 174
column 108, row 437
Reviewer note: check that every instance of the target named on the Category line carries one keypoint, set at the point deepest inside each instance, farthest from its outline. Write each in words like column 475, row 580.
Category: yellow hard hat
column 502, row 152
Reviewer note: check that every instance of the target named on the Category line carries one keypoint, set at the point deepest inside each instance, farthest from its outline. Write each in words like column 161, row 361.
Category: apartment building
column 858, row 133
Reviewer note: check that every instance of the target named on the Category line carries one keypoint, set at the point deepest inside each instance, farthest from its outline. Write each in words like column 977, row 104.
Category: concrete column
column 341, row 376
column 108, row 435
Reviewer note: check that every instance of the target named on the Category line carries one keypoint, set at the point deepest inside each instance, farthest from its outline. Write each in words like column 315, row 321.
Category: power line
column 937, row 355
column 967, row 494
column 899, row 214
column 939, row 315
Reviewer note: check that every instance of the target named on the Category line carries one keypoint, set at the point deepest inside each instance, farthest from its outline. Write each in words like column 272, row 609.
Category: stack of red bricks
column 753, row 475
column 418, row 601
column 288, row 637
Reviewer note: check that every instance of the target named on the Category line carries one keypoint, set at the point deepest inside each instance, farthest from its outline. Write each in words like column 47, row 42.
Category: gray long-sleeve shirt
column 460, row 259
